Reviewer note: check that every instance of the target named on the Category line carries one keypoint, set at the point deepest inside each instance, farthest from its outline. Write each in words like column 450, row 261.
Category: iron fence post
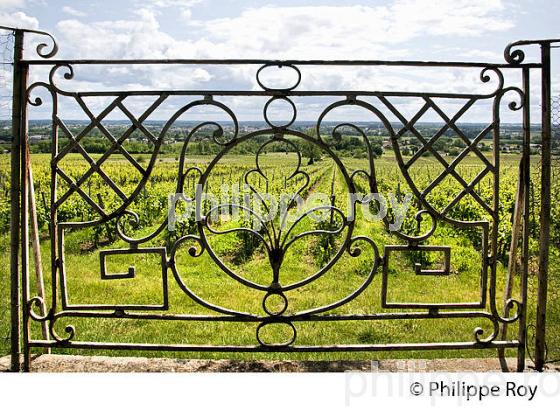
column 540, row 336
column 17, row 103
column 526, row 178
column 24, row 222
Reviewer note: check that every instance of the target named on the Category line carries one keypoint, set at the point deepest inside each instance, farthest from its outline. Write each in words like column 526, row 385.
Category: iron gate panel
column 275, row 240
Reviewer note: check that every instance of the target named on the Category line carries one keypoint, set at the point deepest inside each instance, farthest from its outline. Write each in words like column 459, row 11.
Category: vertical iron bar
column 24, row 182
column 490, row 290
column 525, row 251
column 53, row 227
column 540, row 335
column 17, row 103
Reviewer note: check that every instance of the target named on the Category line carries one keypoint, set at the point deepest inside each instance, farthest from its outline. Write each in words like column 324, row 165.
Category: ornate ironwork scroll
column 276, row 238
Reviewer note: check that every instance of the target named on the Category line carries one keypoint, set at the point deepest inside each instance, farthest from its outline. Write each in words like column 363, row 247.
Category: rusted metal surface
column 18, row 102
column 540, row 336
column 277, row 240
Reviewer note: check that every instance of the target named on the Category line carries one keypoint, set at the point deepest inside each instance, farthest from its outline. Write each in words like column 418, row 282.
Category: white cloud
column 481, row 54
column 444, row 17
column 113, row 39
column 186, row 14
column 73, row 12
column 18, row 19
column 359, row 31
column 289, row 32
column 183, row 8
column 322, row 32
column 171, row 3
column 130, row 39
column 7, row 4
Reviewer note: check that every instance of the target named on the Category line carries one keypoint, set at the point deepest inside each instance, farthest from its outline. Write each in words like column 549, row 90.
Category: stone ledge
column 95, row 364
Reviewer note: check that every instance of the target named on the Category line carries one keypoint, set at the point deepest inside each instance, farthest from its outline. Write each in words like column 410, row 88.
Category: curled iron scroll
column 42, row 48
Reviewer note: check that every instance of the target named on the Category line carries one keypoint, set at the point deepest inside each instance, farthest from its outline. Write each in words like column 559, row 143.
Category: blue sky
column 475, row 30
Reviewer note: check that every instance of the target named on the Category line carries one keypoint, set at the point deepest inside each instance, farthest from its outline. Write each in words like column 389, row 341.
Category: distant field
column 242, row 254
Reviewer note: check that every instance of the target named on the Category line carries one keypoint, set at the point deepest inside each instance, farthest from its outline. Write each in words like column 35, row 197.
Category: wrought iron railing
column 274, row 238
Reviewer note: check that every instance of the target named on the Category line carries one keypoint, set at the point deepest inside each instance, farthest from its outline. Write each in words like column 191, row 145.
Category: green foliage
column 242, row 250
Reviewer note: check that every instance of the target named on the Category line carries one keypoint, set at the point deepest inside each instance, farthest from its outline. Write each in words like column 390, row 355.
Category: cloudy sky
column 472, row 30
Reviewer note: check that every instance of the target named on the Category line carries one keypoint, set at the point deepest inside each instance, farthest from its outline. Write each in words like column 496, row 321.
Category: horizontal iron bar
column 529, row 42
column 404, row 305
column 404, row 63
column 229, row 348
column 263, row 93
column 317, row 318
